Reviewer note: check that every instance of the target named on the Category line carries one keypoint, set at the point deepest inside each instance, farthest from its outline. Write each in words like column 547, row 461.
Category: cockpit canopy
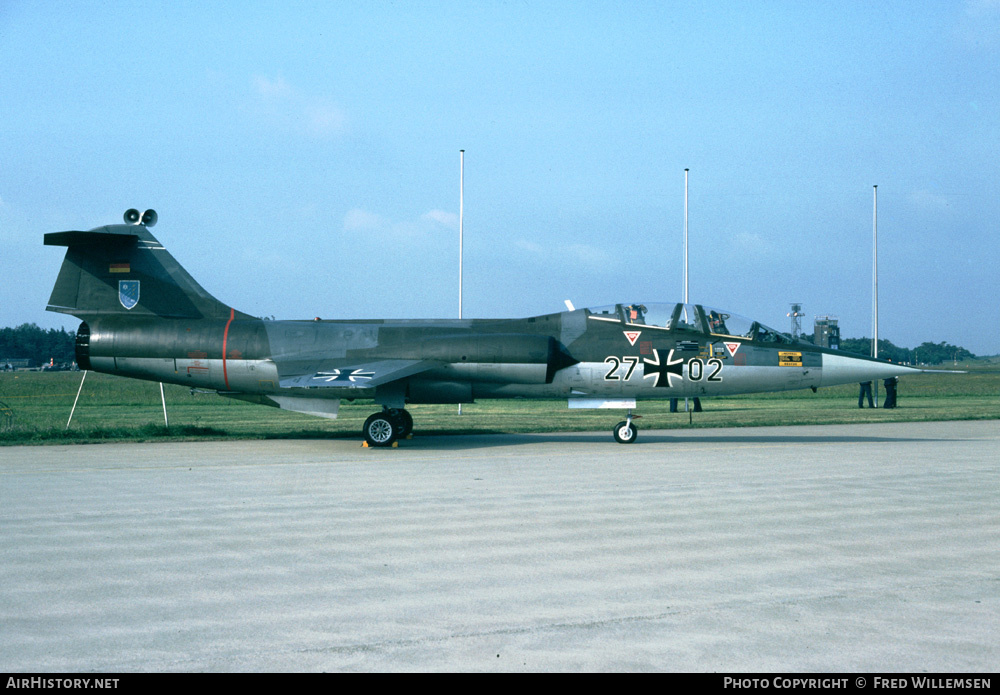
column 691, row 317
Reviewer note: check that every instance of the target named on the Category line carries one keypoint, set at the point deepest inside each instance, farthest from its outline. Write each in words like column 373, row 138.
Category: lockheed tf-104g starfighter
column 145, row 317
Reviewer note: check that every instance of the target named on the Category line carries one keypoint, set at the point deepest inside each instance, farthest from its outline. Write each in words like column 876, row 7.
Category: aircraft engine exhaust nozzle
column 132, row 216
column 149, row 218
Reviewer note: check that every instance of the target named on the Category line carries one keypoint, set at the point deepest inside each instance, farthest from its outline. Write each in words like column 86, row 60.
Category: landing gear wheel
column 381, row 429
column 625, row 432
column 404, row 422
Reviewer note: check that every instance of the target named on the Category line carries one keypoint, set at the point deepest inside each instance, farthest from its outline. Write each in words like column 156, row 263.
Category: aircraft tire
column 625, row 433
column 404, row 421
column 381, row 429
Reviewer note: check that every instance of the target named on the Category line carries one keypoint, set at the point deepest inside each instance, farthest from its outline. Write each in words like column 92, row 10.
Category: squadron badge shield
column 128, row 293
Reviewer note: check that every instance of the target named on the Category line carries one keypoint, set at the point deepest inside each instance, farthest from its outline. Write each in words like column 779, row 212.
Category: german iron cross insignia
column 671, row 368
column 352, row 376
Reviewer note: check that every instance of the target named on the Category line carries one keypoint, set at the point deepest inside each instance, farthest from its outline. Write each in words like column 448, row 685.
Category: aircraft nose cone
column 842, row 369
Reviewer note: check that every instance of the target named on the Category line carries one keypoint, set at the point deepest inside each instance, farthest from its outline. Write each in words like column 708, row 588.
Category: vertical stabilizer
column 123, row 270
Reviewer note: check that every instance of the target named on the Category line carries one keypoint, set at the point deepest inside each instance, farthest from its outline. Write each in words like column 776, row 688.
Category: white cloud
column 312, row 115
column 426, row 226
column 325, row 119
column 445, row 219
column 930, row 201
column 272, row 89
column 983, row 8
column 979, row 25
column 751, row 245
column 589, row 256
column 530, row 246
column 578, row 255
column 358, row 219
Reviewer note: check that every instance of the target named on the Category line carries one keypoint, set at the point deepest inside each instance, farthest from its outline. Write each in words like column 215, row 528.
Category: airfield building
column 826, row 332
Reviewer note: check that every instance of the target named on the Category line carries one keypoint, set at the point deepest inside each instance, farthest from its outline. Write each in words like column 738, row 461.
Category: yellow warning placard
column 789, row 359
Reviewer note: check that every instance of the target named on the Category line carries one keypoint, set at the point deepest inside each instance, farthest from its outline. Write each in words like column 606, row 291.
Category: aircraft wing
column 342, row 374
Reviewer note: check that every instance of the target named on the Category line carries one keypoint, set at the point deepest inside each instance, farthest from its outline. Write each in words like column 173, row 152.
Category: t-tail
column 143, row 315
column 122, row 270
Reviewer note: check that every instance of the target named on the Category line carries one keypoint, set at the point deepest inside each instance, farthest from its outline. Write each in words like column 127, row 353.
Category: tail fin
column 123, row 270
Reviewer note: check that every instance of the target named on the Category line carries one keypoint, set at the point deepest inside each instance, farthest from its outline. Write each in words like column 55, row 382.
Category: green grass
column 113, row 408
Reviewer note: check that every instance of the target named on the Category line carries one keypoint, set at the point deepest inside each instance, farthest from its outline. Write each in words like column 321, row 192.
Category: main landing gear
column 382, row 429
column 625, row 432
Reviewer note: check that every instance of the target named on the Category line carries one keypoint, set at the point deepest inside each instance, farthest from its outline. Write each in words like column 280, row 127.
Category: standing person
column 890, row 392
column 866, row 388
column 673, row 405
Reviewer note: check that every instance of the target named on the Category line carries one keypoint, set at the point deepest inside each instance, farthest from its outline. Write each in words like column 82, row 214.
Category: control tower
column 826, row 332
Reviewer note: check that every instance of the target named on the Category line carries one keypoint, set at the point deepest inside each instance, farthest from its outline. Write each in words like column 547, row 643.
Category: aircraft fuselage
column 565, row 355
column 145, row 317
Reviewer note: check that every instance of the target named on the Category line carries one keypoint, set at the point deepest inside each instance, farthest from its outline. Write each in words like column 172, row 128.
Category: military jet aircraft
column 145, row 317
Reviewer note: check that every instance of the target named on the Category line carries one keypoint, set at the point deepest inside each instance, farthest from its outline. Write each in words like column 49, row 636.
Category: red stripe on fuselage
column 225, row 340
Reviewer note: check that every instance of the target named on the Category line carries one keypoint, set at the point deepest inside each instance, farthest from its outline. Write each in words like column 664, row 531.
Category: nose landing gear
column 625, row 432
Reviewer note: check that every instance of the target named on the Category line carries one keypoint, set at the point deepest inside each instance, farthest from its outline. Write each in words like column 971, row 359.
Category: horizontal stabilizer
column 90, row 238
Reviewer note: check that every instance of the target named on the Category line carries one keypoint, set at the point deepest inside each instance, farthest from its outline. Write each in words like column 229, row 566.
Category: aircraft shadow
column 445, row 442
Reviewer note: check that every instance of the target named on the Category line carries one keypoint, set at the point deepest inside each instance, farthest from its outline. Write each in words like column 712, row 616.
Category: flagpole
column 461, row 222
column 461, row 230
column 685, row 236
column 875, row 281
column 686, row 404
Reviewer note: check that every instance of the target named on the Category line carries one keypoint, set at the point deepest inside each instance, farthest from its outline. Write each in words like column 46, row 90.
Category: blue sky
column 304, row 159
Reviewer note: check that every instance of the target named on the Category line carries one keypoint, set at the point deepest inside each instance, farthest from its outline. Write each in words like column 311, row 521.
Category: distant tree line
column 925, row 353
column 36, row 345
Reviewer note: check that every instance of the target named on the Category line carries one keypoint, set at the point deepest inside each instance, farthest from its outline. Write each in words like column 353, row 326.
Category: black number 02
column 696, row 369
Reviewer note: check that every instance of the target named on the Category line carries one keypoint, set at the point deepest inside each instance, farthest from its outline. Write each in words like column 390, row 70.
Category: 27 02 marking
column 695, row 370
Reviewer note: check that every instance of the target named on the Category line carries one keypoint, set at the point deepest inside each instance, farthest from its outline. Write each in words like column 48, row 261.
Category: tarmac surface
column 833, row 548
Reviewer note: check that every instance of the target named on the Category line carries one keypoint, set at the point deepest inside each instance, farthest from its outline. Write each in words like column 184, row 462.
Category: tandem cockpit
column 689, row 317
